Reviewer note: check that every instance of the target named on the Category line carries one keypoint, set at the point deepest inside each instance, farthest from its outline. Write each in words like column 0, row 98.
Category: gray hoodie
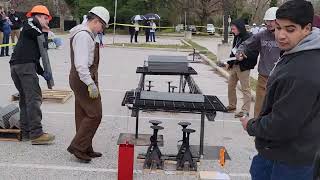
column 265, row 43
column 287, row 129
column 83, row 46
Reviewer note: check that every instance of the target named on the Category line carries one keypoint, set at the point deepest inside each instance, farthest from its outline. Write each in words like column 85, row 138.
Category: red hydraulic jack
column 125, row 161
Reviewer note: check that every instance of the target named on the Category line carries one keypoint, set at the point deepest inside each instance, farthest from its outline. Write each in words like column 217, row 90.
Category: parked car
column 211, row 29
column 192, row 28
column 179, row 27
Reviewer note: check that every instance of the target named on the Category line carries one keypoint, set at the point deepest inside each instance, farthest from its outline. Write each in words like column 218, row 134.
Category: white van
column 210, row 29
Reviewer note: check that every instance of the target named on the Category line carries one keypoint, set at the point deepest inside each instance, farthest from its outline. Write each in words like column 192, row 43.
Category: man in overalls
column 83, row 80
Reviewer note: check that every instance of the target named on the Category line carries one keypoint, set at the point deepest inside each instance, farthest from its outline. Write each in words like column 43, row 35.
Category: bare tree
column 205, row 8
column 258, row 9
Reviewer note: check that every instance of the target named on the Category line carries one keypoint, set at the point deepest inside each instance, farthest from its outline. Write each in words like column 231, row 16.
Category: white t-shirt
column 153, row 27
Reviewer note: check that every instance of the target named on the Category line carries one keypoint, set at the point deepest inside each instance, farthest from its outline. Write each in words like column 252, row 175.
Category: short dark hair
column 298, row 11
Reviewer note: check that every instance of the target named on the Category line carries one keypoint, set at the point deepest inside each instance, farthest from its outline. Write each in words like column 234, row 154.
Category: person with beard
column 240, row 70
column 83, row 80
column 265, row 43
column 24, row 66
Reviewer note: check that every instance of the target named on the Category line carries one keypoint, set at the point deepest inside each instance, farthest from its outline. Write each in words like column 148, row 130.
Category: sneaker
column 44, row 139
column 241, row 114
column 231, row 109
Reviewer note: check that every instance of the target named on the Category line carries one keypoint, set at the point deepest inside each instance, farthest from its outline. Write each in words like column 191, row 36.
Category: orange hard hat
column 41, row 10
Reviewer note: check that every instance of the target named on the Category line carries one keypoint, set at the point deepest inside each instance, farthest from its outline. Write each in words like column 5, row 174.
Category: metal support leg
column 184, row 84
column 180, row 84
column 142, row 81
column 137, row 123
column 201, row 135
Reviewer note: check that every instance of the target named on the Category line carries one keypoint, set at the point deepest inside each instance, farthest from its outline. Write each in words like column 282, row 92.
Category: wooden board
column 58, row 95
column 10, row 135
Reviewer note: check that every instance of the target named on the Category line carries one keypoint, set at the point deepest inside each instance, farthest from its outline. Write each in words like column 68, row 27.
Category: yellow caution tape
column 5, row 45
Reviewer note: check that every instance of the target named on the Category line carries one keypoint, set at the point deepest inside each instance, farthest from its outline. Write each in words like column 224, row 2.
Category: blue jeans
column 6, row 37
column 57, row 41
column 263, row 169
column 153, row 36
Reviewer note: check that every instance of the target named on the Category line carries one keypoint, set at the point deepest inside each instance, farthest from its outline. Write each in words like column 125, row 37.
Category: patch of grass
column 203, row 50
column 145, row 45
column 118, row 31
column 167, row 31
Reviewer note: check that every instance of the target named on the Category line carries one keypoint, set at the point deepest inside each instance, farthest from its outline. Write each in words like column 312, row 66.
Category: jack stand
column 187, row 155
column 155, row 122
column 153, row 157
column 182, row 149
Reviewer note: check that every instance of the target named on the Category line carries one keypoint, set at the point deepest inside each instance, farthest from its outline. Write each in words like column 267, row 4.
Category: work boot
column 44, row 139
column 94, row 154
column 241, row 114
column 231, row 109
column 83, row 157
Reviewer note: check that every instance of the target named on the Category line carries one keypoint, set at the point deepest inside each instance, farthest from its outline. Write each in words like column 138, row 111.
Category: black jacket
column 131, row 30
column 16, row 21
column 147, row 30
column 288, row 127
column 2, row 20
column 252, row 56
column 27, row 48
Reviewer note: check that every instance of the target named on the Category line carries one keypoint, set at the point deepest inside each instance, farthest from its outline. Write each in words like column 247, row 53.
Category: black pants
column 135, row 34
column 26, row 81
column 147, row 36
column 6, row 38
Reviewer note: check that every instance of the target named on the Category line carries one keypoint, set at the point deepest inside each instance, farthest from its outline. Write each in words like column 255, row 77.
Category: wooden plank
column 15, row 131
column 10, row 132
column 9, row 139
column 61, row 95
column 66, row 98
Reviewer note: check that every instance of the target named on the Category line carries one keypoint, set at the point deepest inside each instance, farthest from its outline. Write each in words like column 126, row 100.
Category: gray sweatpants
column 26, row 81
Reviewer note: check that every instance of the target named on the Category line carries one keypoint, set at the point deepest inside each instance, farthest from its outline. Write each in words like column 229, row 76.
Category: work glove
column 93, row 91
column 47, row 76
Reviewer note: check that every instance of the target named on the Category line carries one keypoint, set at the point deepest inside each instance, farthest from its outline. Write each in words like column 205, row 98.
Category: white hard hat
column 101, row 12
column 270, row 14
column 254, row 24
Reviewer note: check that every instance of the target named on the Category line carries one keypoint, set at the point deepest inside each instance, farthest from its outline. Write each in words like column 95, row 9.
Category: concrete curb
column 185, row 42
column 224, row 73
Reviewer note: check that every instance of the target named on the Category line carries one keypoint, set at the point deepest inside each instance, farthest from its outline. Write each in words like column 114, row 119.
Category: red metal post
column 125, row 161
